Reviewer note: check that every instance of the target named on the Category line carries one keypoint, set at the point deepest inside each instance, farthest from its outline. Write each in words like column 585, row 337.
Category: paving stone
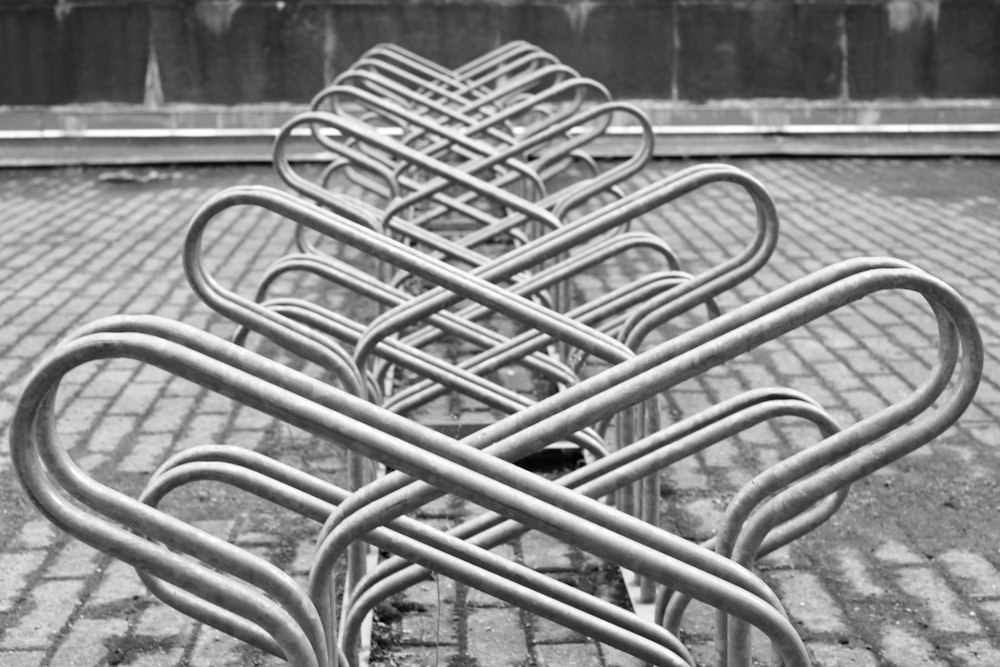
column 256, row 440
column 942, row 604
column 145, row 453
column 111, row 431
column 51, row 604
column 545, row 631
column 36, row 534
column 857, row 572
column 160, row 621
column 204, row 430
column 22, row 658
column 158, row 657
column 978, row 653
column 90, row 462
column 686, row 475
column 428, row 593
column 566, row 654
column 136, row 400
column 977, row 576
column 898, row 554
column 250, row 419
column 809, row 603
column 76, row 559
column 81, row 415
column 216, row 648
column 85, row 644
column 902, row 648
column 721, row 455
column 422, row 656
column 612, row 657
column 427, row 628
column 168, row 414
column 119, row 582
column 838, row 655
column 15, row 569
column 496, row 637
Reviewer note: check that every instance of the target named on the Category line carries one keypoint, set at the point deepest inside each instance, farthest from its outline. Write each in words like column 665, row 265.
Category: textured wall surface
column 250, row 51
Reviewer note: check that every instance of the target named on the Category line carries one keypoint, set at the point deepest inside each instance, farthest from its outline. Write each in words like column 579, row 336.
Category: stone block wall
column 151, row 53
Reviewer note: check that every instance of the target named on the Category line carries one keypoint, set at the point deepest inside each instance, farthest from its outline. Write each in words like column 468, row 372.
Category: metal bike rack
column 291, row 625
column 387, row 105
column 404, row 258
column 765, row 208
column 625, row 209
column 789, row 308
column 458, row 154
column 347, row 144
column 382, row 244
column 832, row 464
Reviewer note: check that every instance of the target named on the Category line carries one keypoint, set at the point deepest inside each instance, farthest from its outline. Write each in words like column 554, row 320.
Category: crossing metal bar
column 721, row 278
column 293, row 628
column 548, row 597
column 602, row 477
column 775, row 314
column 345, row 274
column 314, row 415
column 471, row 79
column 461, row 324
column 459, row 155
column 448, row 175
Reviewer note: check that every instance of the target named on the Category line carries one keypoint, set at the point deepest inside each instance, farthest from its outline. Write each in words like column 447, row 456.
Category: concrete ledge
column 762, row 112
column 126, row 134
column 134, row 147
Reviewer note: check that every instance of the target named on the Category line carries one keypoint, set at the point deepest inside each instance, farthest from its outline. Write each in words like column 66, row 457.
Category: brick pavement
column 906, row 574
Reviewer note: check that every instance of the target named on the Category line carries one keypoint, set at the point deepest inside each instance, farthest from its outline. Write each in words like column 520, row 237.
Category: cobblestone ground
column 906, row 574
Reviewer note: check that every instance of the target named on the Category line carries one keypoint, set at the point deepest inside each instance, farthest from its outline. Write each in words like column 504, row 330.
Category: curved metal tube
column 455, row 324
column 601, row 477
column 517, row 584
column 705, row 286
column 443, row 373
column 316, row 416
column 543, row 280
column 462, row 284
column 389, row 220
column 458, row 106
column 564, row 200
column 903, row 428
column 41, row 463
column 457, row 109
column 515, row 349
column 470, row 78
column 581, row 404
column 287, row 333
column 464, row 145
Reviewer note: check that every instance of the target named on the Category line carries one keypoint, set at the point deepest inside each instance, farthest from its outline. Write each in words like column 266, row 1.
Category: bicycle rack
column 390, row 73
column 295, row 632
column 626, row 209
column 457, row 154
column 441, row 463
column 403, row 257
column 375, row 239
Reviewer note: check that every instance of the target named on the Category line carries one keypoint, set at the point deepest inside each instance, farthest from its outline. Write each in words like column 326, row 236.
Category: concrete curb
column 56, row 148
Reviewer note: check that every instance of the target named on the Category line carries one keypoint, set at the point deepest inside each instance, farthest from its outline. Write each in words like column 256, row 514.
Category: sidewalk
column 906, row 574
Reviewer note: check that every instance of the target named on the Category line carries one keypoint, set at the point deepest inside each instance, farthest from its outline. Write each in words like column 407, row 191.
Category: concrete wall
column 151, row 53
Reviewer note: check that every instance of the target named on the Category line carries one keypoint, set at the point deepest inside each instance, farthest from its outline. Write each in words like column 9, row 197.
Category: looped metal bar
column 470, row 191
